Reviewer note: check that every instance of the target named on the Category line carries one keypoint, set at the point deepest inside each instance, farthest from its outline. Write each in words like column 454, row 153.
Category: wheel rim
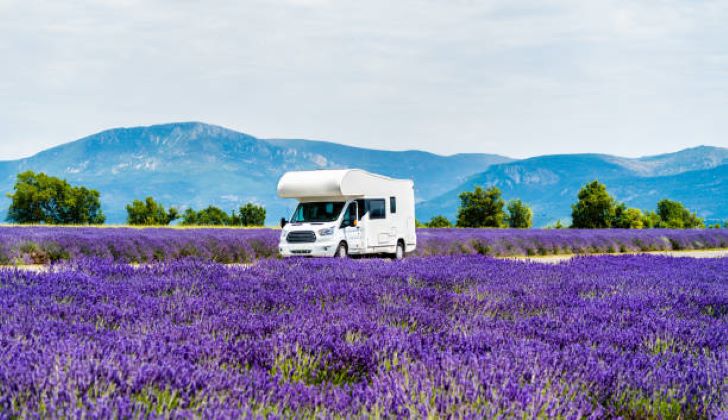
column 400, row 251
column 342, row 252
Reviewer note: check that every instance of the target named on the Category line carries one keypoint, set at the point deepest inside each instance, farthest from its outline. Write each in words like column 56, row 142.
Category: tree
column 674, row 215
column 595, row 208
column 149, row 212
column 627, row 218
column 650, row 219
column 519, row 215
column 39, row 198
column 250, row 215
column 439, row 221
column 481, row 208
column 189, row 217
column 211, row 216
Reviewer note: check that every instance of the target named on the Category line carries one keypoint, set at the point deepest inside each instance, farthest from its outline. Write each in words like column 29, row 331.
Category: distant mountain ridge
column 193, row 164
column 696, row 176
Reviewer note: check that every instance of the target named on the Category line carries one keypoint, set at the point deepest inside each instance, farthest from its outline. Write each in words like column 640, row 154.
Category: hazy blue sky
column 519, row 78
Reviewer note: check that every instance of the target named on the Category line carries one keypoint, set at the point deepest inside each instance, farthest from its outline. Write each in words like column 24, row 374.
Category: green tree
column 627, row 218
column 250, row 215
column 519, row 215
column 674, row 215
column 650, row 219
column 439, row 221
column 595, row 208
column 39, row 198
column 149, row 212
column 210, row 216
column 189, row 217
column 481, row 208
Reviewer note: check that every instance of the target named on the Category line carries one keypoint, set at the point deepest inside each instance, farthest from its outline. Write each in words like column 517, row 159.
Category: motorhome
column 347, row 212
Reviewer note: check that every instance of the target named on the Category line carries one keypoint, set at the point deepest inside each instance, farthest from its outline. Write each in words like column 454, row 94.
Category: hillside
column 195, row 164
column 550, row 184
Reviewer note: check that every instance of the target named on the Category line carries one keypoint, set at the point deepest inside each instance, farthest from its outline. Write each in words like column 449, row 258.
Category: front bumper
column 314, row 249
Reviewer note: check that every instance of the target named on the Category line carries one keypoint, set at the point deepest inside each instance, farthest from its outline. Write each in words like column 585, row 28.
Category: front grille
column 301, row 236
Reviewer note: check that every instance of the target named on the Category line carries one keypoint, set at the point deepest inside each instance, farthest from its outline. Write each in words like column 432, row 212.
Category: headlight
column 326, row 232
column 283, row 234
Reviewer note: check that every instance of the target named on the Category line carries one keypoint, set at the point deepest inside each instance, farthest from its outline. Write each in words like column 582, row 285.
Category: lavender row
column 467, row 336
column 48, row 244
column 514, row 242
column 41, row 245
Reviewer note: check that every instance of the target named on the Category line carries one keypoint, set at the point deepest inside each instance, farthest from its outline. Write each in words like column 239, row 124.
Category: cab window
column 349, row 216
column 362, row 208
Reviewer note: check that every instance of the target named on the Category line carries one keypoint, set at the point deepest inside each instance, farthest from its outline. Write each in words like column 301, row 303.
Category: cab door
column 352, row 229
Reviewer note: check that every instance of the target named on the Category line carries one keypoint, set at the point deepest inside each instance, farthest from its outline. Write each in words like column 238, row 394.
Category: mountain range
column 193, row 164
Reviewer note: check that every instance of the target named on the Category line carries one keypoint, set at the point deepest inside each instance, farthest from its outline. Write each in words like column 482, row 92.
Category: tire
column 399, row 252
column 342, row 251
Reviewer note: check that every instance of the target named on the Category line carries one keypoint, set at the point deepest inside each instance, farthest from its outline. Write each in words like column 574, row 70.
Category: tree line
column 595, row 208
column 42, row 199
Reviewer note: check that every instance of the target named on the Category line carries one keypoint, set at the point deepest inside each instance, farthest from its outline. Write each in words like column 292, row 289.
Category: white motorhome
column 347, row 212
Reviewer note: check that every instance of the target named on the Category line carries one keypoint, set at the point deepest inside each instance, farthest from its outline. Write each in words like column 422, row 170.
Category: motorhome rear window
column 376, row 209
column 317, row 212
column 393, row 205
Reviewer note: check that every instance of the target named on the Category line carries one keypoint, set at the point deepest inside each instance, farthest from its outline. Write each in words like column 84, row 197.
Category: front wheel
column 399, row 252
column 341, row 251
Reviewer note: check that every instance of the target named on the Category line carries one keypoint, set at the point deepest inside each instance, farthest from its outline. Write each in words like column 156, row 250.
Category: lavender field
column 42, row 245
column 466, row 336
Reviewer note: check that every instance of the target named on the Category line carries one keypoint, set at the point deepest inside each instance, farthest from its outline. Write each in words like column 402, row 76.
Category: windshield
column 317, row 212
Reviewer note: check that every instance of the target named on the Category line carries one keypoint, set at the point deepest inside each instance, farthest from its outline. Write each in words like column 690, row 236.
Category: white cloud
column 513, row 77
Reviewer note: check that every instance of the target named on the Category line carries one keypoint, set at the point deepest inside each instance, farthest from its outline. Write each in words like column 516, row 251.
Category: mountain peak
column 190, row 130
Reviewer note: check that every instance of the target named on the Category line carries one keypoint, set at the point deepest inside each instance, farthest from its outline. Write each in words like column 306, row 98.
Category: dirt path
column 546, row 259
column 28, row 267
column 555, row 259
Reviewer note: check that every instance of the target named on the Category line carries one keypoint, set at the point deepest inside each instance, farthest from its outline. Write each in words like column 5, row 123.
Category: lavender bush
column 466, row 336
column 41, row 245
column 513, row 242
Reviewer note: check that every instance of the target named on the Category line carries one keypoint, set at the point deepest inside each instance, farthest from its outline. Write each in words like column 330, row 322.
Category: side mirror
column 283, row 222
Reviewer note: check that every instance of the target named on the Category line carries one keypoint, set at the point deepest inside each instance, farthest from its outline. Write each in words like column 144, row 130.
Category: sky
column 517, row 78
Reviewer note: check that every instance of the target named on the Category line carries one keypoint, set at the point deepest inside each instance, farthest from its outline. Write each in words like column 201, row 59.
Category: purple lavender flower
column 465, row 336
column 41, row 245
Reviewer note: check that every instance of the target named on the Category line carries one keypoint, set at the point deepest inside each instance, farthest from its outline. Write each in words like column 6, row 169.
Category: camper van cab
column 347, row 212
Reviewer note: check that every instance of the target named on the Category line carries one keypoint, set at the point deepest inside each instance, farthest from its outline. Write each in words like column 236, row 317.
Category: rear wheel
column 399, row 252
column 341, row 251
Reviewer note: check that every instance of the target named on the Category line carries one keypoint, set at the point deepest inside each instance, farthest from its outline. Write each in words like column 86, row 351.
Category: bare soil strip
column 698, row 253
column 545, row 259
